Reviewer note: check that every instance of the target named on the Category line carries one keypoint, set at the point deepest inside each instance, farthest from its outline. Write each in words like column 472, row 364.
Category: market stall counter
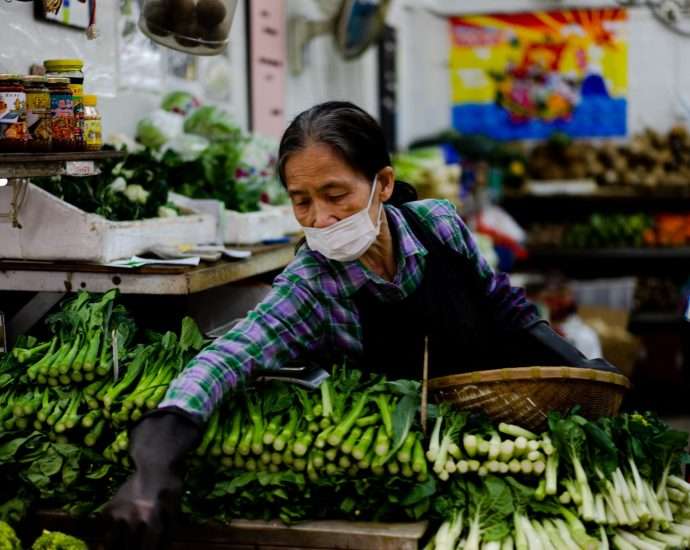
column 261, row 535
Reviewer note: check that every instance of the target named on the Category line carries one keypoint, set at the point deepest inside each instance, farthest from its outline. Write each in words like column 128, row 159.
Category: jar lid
column 35, row 79
column 58, row 80
column 63, row 64
column 90, row 100
column 7, row 76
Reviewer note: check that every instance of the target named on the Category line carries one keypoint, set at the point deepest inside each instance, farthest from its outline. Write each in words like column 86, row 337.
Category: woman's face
column 324, row 189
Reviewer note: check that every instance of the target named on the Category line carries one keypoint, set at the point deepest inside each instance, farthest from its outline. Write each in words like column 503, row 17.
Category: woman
column 375, row 277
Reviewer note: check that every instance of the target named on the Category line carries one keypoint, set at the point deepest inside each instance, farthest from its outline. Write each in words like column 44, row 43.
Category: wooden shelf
column 32, row 158
column 529, row 209
column 32, row 276
column 30, row 165
column 613, row 192
column 608, row 261
column 587, row 254
column 261, row 535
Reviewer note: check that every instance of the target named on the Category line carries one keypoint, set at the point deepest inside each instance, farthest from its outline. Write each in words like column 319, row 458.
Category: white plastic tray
column 55, row 230
column 272, row 222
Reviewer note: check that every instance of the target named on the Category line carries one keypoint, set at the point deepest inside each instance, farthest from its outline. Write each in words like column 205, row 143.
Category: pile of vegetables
column 615, row 230
column 131, row 189
column 426, row 169
column 600, row 483
column 599, row 231
column 49, row 540
column 194, row 150
column 207, row 156
column 354, row 449
column 68, row 401
column 649, row 159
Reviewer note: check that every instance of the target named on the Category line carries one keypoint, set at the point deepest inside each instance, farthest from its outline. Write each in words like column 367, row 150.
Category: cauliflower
column 53, row 540
column 118, row 185
column 136, row 193
column 8, row 538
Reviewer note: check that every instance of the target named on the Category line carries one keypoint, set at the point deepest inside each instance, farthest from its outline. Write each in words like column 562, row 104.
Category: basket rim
column 529, row 373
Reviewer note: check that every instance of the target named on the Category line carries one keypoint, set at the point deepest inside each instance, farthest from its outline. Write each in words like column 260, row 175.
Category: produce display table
column 261, row 535
column 51, row 280
column 35, row 276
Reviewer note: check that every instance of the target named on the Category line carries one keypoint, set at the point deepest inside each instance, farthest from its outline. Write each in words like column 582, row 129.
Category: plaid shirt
column 311, row 308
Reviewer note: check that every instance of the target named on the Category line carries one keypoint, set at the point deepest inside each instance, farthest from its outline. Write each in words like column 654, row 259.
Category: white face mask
column 349, row 238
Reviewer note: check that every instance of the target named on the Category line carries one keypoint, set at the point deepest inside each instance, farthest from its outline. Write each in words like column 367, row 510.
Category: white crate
column 55, row 230
column 212, row 207
column 271, row 222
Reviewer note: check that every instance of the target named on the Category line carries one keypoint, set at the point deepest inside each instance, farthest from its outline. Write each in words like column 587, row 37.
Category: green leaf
column 190, row 335
column 100, row 472
column 404, row 387
column 241, row 481
column 403, row 418
column 10, row 449
column 50, row 464
column 419, row 492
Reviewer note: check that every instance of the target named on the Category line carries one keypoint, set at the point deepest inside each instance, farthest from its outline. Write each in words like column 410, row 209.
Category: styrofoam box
column 271, row 222
column 212, row 207
column 55, row 230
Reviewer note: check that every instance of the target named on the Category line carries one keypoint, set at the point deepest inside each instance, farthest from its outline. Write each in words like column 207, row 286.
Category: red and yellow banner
column 527, row 75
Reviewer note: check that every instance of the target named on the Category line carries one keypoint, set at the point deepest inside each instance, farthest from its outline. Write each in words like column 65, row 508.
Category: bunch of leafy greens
column 131, row 189
column 224, row 170
column 211, row 157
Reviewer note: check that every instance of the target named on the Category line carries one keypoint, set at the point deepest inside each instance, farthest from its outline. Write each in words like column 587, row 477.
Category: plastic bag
column 158, row 128
column 582, row 336
column 180, row 102
column 187, row 146
column 212, row 123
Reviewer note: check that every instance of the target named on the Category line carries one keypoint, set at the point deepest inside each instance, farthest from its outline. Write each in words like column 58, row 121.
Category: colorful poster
column 528, row 75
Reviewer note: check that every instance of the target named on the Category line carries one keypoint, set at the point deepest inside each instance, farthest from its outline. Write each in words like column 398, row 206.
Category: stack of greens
column 358, row 438
column 606, row 482
column 66, row 406
column 196, row 151
column 49, row 540
column 208, row 156
column 353, row 450
column 131, row 189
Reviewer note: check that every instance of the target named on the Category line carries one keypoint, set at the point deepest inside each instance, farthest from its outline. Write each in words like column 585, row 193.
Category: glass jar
column 72, row 69
column 200, row 27
column 38, row 118
column 92, row 124
column 13, row 130
column 61, row 114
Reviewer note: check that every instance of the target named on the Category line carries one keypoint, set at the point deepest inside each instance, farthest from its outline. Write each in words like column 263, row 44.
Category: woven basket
column 525, row 395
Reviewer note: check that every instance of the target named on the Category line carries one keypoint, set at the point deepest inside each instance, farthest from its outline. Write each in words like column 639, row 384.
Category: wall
column 659, row 67
column 327, row 76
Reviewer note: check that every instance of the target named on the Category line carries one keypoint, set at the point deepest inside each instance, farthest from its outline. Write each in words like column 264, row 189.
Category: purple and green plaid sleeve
column 287, row 323
column 311, row 308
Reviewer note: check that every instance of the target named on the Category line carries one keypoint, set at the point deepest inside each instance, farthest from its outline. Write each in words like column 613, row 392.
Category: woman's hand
column 142, row 512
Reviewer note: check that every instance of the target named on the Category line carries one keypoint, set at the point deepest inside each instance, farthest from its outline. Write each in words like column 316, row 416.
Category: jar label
column 62, row 114
column 78, row 107
column 13, row 115
column 38, row 115
column 92, row 133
